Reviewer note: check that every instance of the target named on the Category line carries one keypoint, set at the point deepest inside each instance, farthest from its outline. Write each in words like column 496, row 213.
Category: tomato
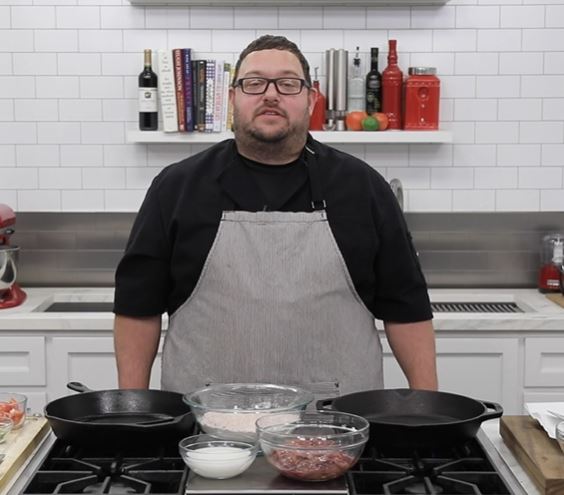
column 353, row 120
column 12, row 411
column 382, row 119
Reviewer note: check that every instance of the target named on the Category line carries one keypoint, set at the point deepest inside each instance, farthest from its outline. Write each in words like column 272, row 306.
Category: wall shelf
column 334, row 137
column 288, row 3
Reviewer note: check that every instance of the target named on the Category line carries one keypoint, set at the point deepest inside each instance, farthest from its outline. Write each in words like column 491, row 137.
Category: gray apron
column 274, row 303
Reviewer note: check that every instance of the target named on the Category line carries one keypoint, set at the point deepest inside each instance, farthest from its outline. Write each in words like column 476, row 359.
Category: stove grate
column 459, row 470
column 74, row 470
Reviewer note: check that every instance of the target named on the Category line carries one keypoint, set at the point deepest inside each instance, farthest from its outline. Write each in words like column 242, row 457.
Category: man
column 272, row 254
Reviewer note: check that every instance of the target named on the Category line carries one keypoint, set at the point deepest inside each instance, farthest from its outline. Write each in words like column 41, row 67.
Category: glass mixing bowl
column 229, row 411
column 316, row 446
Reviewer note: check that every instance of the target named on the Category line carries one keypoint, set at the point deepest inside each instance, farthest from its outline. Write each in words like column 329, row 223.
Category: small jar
column 422, row 94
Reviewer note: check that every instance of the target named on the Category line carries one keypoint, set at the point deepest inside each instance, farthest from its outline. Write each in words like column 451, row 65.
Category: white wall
column 68, row 71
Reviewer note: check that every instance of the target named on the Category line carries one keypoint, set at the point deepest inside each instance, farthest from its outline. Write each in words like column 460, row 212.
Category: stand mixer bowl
column 8, row 267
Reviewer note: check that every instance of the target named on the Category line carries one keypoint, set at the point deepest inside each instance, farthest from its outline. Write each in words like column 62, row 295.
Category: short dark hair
column 270, row 42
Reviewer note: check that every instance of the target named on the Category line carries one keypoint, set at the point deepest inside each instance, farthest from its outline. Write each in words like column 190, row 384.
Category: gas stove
column 472, row 468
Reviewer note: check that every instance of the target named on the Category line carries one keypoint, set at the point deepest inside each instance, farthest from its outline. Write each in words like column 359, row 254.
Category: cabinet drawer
column 544, row 362
column 22, row 361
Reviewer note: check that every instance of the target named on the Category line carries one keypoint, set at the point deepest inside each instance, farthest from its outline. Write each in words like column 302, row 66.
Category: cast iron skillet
column 416, row 417
column 119, row 416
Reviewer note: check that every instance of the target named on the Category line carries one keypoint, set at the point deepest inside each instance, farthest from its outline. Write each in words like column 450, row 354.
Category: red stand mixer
column 10, row 293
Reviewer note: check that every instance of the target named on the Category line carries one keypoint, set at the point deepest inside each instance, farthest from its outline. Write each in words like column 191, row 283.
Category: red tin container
column 422, row 95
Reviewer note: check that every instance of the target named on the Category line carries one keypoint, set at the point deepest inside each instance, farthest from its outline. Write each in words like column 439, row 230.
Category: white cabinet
column 22, row 361
column 89, row 360
column 22, row 368
column 544, row 362
column 482, row 368
column 544, row 370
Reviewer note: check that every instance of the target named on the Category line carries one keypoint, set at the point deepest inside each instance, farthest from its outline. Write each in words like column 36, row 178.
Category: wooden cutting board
column 556, row 298
column 539, row 455
column 19, row 445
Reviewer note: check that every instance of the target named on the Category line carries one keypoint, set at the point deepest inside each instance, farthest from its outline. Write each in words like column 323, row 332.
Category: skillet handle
column 324, row 405
column 496, row 413
column 157, row 422
column 78, row 387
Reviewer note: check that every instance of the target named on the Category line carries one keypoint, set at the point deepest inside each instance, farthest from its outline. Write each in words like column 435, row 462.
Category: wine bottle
column 356, row 96
column 392, row 87
column 148, row 114
column 373, row 84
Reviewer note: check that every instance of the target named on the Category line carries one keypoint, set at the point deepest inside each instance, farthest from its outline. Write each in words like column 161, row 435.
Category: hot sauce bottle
column 392, row 81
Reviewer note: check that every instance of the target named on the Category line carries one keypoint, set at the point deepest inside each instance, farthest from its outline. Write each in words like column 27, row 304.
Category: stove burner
column 116, row 487
column 75, row 470
column 420, row 487
column 435, row 470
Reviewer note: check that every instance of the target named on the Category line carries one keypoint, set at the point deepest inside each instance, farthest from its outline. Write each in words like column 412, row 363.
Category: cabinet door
column 481, row 368
column 89, row 360
column 544, row 362
column 22, row 361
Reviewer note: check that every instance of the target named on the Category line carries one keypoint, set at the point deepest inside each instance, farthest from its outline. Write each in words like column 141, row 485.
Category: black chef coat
column 178, row 220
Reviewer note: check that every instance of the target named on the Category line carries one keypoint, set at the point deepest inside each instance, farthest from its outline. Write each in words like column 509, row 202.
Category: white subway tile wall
column 68, row 94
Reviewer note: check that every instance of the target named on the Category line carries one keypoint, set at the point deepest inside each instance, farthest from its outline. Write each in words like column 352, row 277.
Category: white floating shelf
column 288, row 3
column 330, row 137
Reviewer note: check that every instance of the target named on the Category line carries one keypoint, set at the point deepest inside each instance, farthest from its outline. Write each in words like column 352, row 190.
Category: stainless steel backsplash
column 455, row 249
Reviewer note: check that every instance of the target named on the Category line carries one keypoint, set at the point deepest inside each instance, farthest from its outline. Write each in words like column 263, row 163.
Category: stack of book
column 193, row 94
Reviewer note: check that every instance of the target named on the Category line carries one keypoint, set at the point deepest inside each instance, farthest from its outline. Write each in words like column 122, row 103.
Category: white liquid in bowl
column 219, row 462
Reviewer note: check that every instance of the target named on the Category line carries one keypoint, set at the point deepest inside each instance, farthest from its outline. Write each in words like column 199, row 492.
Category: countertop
column 538, row 313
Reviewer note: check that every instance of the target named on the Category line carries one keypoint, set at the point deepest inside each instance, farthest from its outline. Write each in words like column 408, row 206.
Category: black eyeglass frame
column 303, row 83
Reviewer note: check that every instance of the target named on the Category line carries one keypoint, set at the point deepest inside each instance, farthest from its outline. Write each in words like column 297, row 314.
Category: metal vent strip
column 475, row 307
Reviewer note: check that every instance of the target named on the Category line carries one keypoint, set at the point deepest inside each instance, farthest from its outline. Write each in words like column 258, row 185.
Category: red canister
column 422, row 94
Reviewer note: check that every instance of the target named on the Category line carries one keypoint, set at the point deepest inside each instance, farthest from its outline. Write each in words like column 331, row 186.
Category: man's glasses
column 259, row 85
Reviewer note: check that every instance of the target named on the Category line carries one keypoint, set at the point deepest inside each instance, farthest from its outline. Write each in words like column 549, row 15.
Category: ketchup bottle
column 317, row 118
column 392, row 81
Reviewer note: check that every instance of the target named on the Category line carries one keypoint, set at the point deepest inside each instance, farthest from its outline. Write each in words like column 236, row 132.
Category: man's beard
column 290, row 139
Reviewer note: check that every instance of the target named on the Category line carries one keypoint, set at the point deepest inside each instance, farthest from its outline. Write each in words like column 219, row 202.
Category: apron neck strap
column 312, row 164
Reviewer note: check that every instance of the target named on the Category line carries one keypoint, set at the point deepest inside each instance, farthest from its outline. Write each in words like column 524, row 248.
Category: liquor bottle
column 392, row 82
column 373, row 85
column 148, row 120
column 317, row 119
column 355, row 100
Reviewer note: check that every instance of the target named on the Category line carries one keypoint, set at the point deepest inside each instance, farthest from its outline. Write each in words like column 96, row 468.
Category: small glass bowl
column 6, row 425
column 216, row 459
column 560, row 434
column 13, row 406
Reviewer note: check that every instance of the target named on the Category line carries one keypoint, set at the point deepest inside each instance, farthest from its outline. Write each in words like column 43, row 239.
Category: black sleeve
column 142, row 280
column 401, row 291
